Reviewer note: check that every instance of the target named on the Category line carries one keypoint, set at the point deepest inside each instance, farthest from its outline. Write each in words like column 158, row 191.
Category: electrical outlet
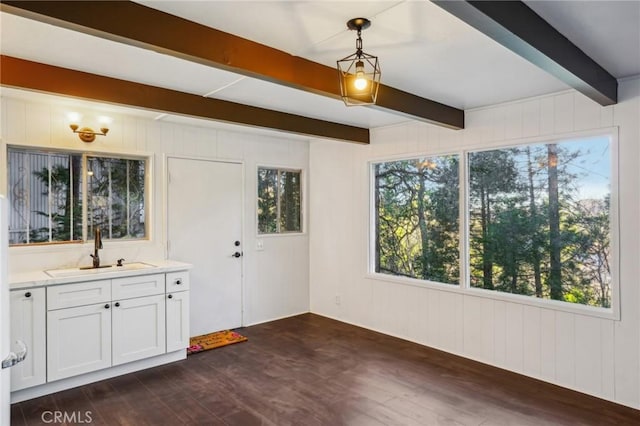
column 338, row 299
column 259, row 245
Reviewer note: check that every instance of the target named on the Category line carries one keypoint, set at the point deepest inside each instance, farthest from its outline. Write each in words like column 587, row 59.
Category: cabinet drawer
column 70, row 295
column 139, row 286
column 177, row 281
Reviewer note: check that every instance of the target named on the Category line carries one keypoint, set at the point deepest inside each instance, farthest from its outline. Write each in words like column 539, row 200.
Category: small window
column 279, row 201
column 47, row 191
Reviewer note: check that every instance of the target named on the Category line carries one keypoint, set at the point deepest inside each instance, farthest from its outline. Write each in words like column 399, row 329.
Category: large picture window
column 539, row 221
column 416, row 216
column 48, row 189
column 279, row 201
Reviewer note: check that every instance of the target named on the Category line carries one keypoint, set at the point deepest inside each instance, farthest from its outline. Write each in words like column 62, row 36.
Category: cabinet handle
column 178, row 281
column 27, row 294
column 106, row 306
column 170, row 296
column 117, row 304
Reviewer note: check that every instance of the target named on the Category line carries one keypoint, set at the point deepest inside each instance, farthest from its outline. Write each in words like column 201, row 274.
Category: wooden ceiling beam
column 23, row 74
column 518, row 28
column 141, row 26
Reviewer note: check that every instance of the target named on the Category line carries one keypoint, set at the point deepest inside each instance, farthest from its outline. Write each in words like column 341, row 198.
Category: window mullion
column 71, row 200
column 49, row 197
column 128, row 208
column 278, row 201
column 110, row 201
column 27, row 166
column 85, row 200
column 464, row 219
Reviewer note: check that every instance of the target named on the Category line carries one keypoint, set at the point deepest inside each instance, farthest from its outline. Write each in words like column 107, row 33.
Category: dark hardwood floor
column 310, row 370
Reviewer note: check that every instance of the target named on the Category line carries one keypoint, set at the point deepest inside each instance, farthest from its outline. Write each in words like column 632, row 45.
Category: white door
column 4, row 316
column 205, row 229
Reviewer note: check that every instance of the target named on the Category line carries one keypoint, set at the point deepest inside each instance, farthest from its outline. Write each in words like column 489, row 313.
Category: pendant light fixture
column 359, row 73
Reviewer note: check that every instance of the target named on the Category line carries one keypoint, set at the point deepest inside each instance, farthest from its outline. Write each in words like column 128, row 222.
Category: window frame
column 148, row 191
column 372, row 209
column 279, row 169
column 464, row 288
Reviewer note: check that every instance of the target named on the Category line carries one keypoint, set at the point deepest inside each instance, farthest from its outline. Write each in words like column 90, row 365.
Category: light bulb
column 361, row 82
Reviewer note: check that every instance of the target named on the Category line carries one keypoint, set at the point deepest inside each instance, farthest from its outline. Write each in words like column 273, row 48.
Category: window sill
column 283, row 234
column 553, row 305
column 72, row 246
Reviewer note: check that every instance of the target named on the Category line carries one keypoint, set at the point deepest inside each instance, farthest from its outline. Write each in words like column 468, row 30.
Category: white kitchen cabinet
column 78, row 340
column 28, row 324
column 177, row 320
column 138, row 328
column 83, row 331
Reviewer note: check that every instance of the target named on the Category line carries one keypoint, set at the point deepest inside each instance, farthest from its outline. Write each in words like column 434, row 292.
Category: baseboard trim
column 279, row 318
column 95, row 376
column 482, row 361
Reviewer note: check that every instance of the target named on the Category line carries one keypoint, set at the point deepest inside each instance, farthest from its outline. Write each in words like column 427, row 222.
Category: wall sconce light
column 359, row 73
column 87, row 134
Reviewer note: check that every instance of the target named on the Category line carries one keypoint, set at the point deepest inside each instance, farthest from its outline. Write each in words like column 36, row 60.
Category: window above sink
column 62, row 196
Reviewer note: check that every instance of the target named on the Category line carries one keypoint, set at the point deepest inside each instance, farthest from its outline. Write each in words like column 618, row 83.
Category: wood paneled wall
column 275, row 279
column 597, row 356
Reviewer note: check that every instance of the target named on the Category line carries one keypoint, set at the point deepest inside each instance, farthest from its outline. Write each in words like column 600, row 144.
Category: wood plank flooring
column 310, row 370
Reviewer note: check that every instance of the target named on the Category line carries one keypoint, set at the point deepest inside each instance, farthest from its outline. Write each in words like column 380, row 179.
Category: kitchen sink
column 78, row 272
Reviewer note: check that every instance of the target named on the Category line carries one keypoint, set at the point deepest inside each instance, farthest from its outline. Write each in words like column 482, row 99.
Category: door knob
column 237, row 243
column 236, row 254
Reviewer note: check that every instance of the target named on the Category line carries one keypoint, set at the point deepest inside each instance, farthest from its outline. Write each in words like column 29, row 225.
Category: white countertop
column 41, row 278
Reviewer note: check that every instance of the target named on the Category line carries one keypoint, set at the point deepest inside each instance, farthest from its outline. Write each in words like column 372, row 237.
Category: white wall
column 275, row 280
column 593, row 355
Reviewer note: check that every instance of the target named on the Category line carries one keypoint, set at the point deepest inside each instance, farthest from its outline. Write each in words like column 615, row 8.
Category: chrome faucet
column 97, row 245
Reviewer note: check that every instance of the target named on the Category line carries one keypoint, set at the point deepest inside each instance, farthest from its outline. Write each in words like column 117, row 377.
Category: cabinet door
column 138, row 328
column 28, row 324
column 78, row 340
column 177, row 321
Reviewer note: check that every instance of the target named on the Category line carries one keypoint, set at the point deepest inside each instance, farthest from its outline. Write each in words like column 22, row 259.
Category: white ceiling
column 422, row 50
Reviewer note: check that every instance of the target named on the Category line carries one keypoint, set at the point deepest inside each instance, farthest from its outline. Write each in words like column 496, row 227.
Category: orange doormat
column 213, row 340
